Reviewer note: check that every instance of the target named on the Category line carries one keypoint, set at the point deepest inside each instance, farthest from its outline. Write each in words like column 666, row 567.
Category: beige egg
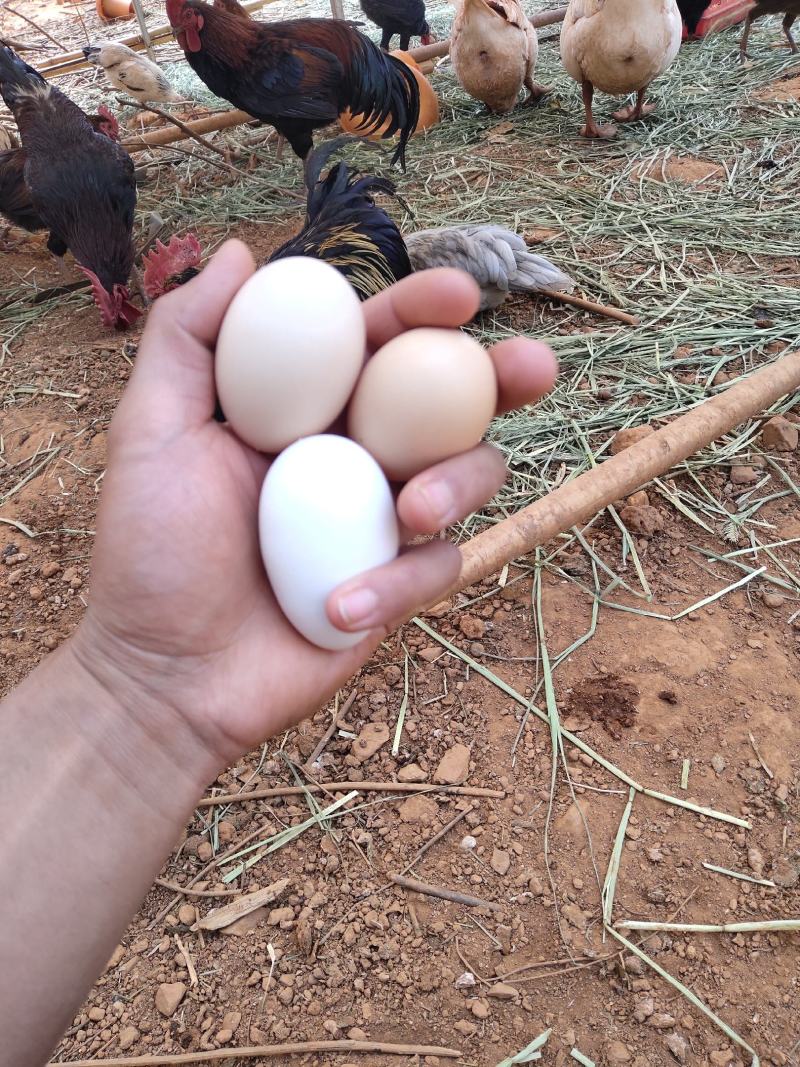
column 425, row 396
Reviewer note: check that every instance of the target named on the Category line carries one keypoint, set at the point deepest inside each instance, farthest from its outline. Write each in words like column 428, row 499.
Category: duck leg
column 635, row 111
column 591, row 129
column 535, row 91
column 745, row 38
column 788, row 19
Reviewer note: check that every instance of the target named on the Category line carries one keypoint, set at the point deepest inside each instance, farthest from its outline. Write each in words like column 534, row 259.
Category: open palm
column 180, row 602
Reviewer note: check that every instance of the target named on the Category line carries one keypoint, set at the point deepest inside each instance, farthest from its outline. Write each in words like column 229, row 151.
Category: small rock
column 643, row 1009
column 35, row 593
column 623, row 439
column 575, row 916
column 616, row 1052
column 755, row 861
column 373, row 737
column 431, row 653
column 500, row 861
column 280, row 915
column 643, row 521
column 96, row 1014
column 231, row 1020
column 472, row 627
column 465, row 980
column 654, row 854
column 480, row 1008
column 453, row 767
column 412, row 772
column 48, row 570
column 501, row 991
column 223, row 1036
column 355, row 1033
column 718, row 763
column 465, row 1027
column 678, row 1046
column 772, row 600
column 128, row 1036
column 468, row 843
column 743, row 475
column 571, row 822
column 721, row 1057
column 639, row 500
column 186, row 914
column 662, row 1021
column 633, row 965
column 536, row 886
column 419, row 809
column 779, row 434
column 785, row 873
column 168, row 997
column 204, row 851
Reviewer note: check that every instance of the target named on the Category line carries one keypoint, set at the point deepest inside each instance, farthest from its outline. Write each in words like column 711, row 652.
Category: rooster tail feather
column 382, row 88
column 17, row 79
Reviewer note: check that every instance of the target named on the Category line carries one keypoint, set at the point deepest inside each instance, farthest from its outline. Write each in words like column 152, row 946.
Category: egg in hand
column 289, row 352
column 425, row 396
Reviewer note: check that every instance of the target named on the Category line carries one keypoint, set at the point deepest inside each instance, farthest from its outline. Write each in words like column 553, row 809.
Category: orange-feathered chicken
column 297, row 75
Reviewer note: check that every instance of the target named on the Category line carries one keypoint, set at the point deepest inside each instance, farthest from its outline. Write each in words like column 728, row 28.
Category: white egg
column 326, row 514
column 289, row 351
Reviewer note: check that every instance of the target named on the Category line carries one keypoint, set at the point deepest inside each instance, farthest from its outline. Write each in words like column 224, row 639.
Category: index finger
column 438, row 297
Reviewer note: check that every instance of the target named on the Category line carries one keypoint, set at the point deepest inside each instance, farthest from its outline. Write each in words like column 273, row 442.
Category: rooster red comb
column 110, row 126
column 115, row 307
column 164, row 265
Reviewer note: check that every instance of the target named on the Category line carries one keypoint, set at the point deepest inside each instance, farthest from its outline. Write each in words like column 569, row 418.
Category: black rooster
column 81, row 184
column 297, row 75
column 346, row 228
column 405, row 17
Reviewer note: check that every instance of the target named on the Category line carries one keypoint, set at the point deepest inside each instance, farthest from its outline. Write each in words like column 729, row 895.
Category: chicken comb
column 111, row 126
column 166, row 262
column 115, row 308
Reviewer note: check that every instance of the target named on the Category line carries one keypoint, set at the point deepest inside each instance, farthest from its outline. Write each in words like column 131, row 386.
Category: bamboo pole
column 619, row 476
column 147, row 43
column 72, row 61
column 169, row 134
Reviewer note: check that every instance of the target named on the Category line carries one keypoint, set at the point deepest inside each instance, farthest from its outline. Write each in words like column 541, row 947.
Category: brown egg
column 425, row 396
column 428, row 106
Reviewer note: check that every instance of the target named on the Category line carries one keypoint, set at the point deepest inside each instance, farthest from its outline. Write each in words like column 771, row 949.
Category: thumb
column 172, row 386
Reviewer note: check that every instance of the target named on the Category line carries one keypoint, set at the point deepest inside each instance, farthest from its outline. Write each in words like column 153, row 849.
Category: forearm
column 95, row 789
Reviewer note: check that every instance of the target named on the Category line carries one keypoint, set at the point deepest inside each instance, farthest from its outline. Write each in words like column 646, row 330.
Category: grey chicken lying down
column 498, row 260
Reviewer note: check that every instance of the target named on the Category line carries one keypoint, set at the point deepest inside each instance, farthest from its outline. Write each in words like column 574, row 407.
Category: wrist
column 136, row 721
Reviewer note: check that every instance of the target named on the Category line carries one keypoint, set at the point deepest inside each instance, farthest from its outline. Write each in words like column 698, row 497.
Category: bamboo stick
column 591, row 305
column 576, row 501
column 170, row 134
column 71, row 61
column 296, row 1048
column 346, row 787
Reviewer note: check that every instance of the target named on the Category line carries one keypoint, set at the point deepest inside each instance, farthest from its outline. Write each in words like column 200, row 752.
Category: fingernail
column 438, row 497
column 358, row 606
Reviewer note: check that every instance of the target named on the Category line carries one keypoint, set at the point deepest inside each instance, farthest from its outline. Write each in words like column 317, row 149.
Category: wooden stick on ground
column 590, row 305
column 265, row 1051
column 220, row 121
column 444, row 894
column 346, row 787
column 620, row 475
column 436, row 837
column 323, row 741
column 184, row 127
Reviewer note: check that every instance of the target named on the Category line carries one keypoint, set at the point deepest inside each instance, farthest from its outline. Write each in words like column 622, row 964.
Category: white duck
column 493, row 49
column 619, row 47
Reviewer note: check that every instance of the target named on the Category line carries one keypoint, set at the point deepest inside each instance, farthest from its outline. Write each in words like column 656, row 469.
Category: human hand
column 181, row 617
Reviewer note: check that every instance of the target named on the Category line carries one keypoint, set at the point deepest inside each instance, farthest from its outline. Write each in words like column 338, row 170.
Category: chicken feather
column 498, row 260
